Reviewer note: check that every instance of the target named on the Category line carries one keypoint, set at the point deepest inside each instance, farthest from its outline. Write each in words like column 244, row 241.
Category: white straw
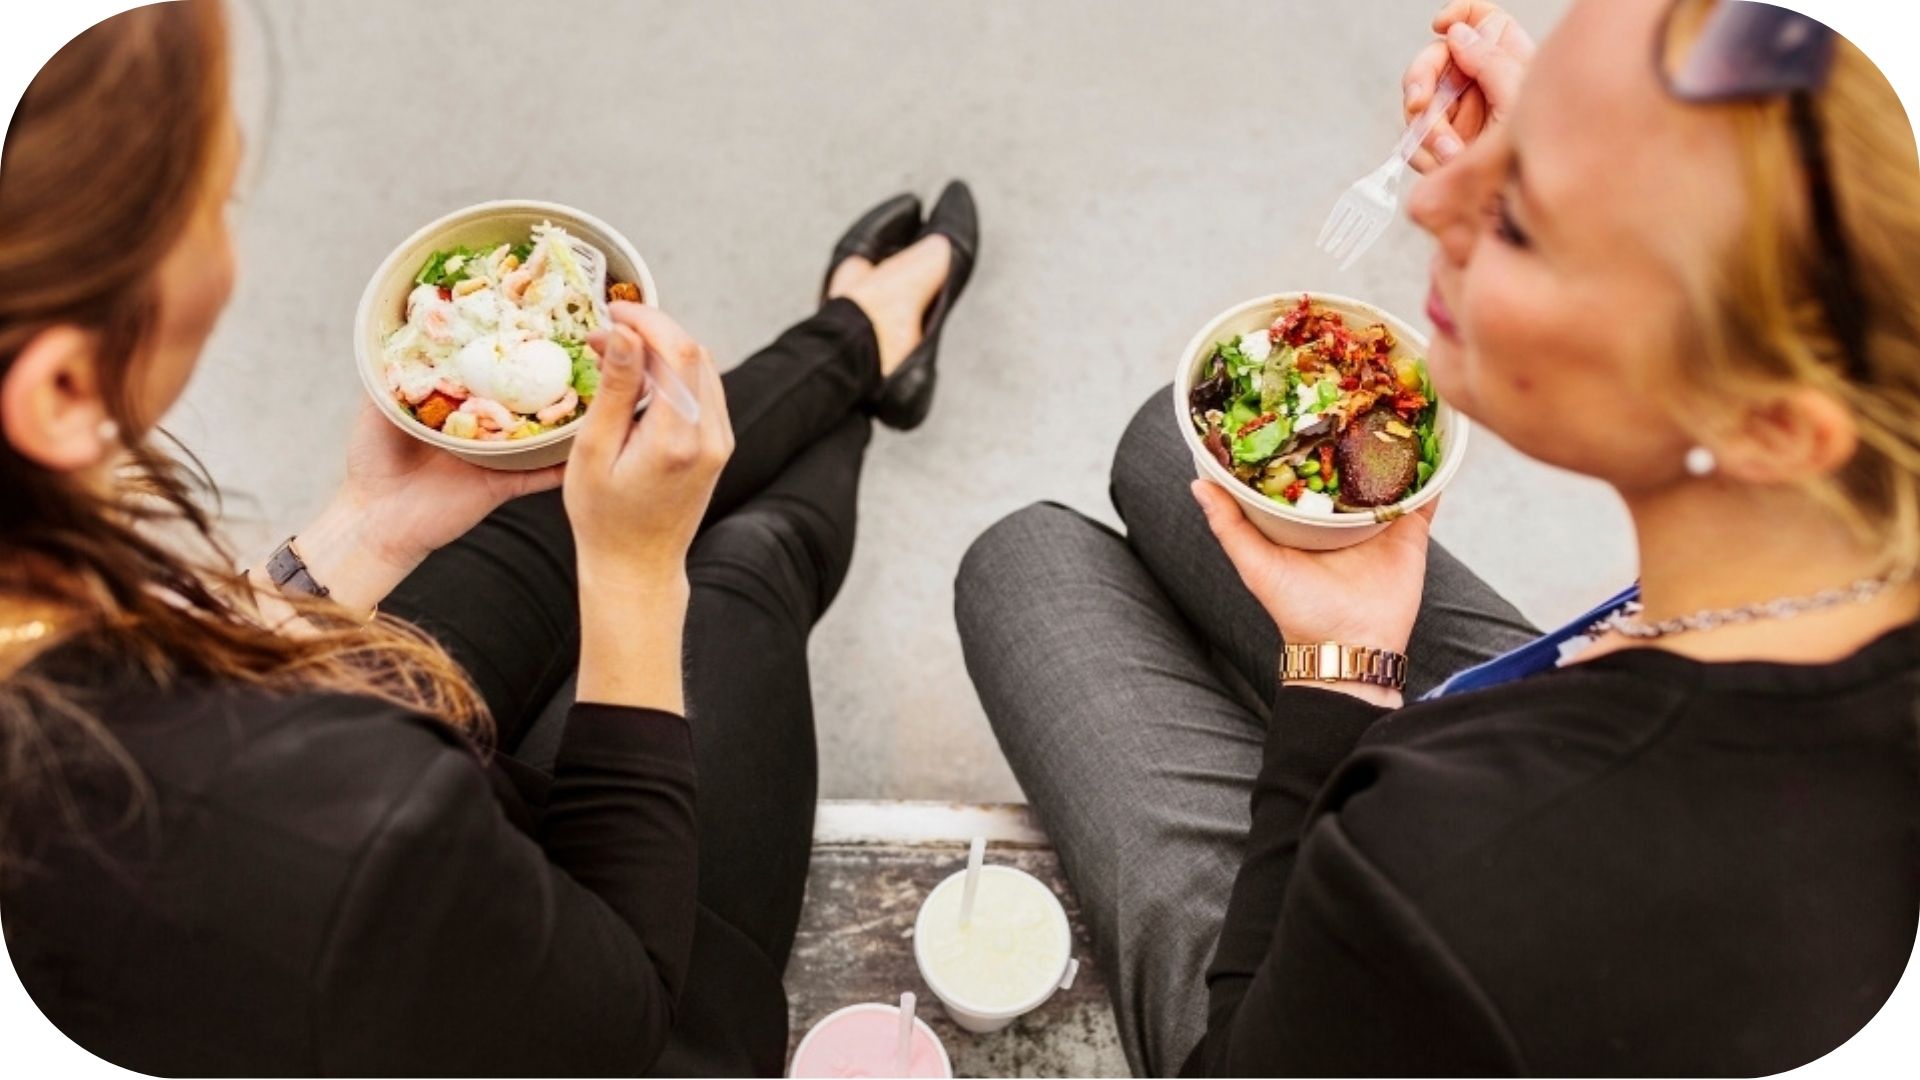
column 975, row 858
column 903, row 1056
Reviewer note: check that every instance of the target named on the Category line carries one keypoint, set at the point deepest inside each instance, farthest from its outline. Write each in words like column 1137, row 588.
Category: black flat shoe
column 879, row 234
column 906, row 397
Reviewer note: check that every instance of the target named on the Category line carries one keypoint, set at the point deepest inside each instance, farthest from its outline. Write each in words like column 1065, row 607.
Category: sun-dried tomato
column 1326, row 459
column 1299, row 326
column 1350, row 383
column 1295, row 490
column 446, row 293
column 1255, row 424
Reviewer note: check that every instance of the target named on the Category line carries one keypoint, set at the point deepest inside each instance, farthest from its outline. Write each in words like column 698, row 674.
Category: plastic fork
column 668, row 381
column 593, row 263
column 1362, row 215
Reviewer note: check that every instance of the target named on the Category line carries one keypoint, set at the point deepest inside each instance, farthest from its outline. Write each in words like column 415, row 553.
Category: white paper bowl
column 974, row 1016
column 1283, row 524
column 383, row 310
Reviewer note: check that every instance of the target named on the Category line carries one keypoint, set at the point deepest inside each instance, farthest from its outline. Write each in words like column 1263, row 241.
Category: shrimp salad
column 1318, row 416
column 494, row 346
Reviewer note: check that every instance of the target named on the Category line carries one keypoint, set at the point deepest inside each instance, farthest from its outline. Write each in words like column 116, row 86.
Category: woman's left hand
column 1366, row 595
column 401, row 501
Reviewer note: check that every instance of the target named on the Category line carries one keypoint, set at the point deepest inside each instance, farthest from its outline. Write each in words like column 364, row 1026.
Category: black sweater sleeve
column 461, row 946
column 1323, row 967
column 1310, row 733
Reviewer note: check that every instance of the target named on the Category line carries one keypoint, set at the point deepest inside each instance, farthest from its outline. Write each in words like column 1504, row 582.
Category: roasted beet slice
column 1377, row 462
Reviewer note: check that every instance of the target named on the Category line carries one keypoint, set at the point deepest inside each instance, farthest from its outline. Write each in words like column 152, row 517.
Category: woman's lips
column 1441, row 316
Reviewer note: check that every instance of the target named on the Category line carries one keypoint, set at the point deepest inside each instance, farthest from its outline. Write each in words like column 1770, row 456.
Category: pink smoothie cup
column 862, row 1040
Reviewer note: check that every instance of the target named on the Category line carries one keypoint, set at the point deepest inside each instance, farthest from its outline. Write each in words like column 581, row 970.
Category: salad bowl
column 1284, row 524
column 383, row 307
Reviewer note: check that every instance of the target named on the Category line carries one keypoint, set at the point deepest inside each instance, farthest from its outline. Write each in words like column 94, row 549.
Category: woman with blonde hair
column 1680, row 836
column 249, row 827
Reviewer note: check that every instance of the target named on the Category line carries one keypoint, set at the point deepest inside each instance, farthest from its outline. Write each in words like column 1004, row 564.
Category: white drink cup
column 1007, row 960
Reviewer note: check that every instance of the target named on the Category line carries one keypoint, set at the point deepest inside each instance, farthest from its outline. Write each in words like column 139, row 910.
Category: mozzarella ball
column 525, row 376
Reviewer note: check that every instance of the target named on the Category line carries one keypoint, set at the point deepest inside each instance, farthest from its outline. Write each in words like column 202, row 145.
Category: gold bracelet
column 1332, row 662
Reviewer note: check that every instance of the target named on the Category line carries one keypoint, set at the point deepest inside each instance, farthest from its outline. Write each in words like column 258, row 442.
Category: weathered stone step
column 873, row 862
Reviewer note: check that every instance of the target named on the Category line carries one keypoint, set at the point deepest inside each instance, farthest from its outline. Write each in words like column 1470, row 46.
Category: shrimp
column 451, row 389
column 490, row 413
column 515, row 284
column 559, row 410
column 407, row 382
column 435, row 319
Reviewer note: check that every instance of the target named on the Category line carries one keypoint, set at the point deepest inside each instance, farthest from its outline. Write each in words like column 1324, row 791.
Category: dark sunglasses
column 1751, row 51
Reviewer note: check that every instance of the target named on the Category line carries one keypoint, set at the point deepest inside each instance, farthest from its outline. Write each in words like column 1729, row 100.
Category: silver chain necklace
column 1627, row 621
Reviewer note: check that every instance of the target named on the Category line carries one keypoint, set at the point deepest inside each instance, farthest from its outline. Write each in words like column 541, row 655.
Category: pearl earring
column 108, row 431
column 1701, row 462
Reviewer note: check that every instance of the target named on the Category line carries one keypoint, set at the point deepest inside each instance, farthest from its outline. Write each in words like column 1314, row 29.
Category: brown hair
column 1764, row 325
column 107, row 160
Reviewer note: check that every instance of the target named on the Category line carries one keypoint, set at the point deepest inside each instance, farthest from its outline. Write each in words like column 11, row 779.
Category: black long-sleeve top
column 1640, row 865
column 321, row 884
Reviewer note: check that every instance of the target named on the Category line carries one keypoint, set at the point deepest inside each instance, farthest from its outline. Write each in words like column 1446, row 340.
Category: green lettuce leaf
column 586, row 370
column 1276, row 382
column 1261, row 444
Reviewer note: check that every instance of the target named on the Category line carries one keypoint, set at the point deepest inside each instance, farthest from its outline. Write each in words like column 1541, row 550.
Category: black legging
column 770, row 557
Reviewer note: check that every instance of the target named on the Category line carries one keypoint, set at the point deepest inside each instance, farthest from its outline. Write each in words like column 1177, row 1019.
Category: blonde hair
column 107, row 159
column 1760, row 320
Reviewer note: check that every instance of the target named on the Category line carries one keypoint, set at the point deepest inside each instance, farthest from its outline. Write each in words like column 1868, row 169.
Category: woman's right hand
column 1496, row 62
column 636, row 491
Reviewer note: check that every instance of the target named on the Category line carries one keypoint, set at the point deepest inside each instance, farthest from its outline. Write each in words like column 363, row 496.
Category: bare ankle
column 847, row 276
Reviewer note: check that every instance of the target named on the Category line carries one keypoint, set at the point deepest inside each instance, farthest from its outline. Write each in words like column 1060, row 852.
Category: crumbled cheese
column 1257, row 345
column 1314, row 502
column 1307, row 401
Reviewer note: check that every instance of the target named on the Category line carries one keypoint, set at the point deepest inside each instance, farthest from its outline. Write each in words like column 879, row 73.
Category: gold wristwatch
column 1332, row 662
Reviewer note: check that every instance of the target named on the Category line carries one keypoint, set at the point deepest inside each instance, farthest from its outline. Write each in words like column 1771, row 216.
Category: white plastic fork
column 1362, row 215
column 593, row 264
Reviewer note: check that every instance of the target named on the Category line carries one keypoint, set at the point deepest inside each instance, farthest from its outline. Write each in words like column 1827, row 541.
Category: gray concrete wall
column 1139, row 166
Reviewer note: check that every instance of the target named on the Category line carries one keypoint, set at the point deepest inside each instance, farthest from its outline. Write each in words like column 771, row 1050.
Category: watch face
column 1331, row 666
column 283, row 565
column 289, row 573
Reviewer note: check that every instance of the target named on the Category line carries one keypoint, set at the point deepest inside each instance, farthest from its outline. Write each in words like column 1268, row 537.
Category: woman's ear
column 1795, row 435
column 51, row 409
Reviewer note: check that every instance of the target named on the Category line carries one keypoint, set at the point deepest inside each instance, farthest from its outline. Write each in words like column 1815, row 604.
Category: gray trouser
column 1129, row 680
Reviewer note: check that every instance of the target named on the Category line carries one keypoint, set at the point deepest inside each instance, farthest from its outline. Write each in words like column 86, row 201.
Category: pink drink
column 862, row 1040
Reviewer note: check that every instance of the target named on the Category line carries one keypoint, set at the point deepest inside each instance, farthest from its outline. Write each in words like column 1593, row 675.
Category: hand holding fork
column 1496, row 53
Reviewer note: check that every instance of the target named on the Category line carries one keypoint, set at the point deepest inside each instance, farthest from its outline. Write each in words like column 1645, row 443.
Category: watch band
column 1333, row 662
column 289, row 573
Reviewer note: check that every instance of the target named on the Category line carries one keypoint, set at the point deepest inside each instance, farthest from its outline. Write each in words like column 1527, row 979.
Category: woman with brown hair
column 254, row 823
column 1680, row 836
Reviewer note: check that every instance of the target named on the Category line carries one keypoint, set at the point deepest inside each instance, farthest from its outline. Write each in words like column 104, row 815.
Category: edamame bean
column 1309, row 467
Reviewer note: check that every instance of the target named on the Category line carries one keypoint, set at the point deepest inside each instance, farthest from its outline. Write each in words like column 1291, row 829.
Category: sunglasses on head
column 1749, row 51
